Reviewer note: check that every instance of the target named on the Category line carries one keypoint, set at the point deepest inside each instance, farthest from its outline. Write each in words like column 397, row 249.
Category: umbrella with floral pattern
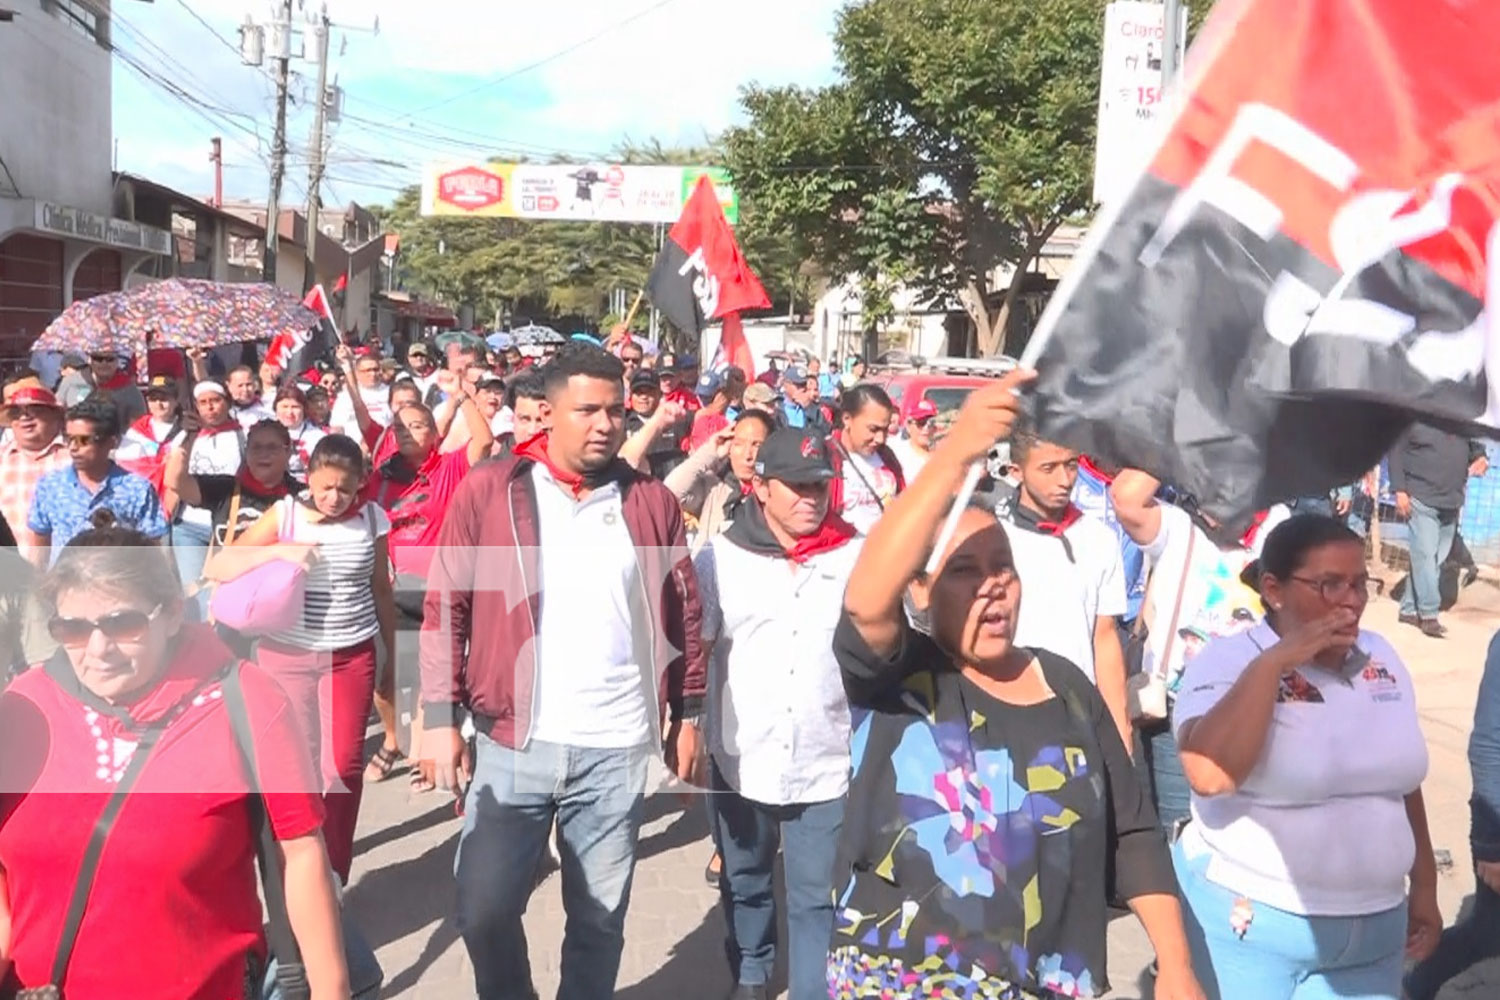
column 177, row 312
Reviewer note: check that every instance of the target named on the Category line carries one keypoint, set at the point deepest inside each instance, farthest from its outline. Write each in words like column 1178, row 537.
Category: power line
column 210, row 28
column 512, row 74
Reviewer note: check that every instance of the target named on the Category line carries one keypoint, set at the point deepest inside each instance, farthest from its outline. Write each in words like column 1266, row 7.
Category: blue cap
column 709, row 383
column 794, row 373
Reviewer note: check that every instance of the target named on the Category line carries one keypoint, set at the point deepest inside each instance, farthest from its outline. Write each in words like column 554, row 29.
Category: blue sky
column 449, row 80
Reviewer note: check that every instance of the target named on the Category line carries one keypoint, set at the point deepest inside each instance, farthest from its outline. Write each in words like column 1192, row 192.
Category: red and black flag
column 295, row 352
column 700, row 274
column 1302, row 271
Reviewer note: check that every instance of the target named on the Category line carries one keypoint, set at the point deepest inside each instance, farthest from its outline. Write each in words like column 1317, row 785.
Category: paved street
column 402, row 889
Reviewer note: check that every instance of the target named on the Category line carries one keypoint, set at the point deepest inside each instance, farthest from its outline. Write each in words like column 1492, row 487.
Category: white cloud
column 672, row 73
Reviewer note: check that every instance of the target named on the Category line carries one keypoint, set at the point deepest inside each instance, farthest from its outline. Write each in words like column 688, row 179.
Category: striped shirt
column 339, row 611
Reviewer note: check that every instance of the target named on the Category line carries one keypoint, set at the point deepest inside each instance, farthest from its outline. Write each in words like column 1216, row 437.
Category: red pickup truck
column 945, row 382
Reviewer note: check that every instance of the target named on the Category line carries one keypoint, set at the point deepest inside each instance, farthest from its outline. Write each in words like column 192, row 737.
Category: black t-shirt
column 665, row 453
column 982, row 828
column 218, row 497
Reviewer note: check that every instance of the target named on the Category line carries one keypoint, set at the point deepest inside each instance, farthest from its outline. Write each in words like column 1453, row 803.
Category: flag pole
column 634, row 308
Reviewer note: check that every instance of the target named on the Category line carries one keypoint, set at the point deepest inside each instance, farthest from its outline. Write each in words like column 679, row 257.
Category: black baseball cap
column 644, row 381
column 793, row 455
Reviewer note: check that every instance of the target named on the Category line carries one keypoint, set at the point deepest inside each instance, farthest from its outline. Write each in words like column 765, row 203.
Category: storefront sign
column 75, row 223
column 574, row 192
column 1131, row 107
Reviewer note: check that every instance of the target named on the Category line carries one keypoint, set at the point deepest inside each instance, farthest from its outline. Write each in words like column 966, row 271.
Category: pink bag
column 266, row 599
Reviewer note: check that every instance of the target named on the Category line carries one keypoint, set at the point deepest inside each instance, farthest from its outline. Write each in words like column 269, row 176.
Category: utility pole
column 281, row 35
column 1172, row 42
column 216, row 157
column 316, row 153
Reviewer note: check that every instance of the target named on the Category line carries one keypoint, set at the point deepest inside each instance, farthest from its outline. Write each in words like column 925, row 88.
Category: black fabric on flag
column 1194, row 390
column 671, row 290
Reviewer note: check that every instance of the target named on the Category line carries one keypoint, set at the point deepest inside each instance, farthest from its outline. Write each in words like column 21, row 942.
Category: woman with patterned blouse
column 991, row 791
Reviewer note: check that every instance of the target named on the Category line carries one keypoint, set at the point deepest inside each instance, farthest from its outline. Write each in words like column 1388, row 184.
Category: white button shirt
column 778, row 718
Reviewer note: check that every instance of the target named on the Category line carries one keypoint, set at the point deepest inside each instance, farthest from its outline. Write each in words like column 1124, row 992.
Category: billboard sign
column 1132, row 113
column 569, row 192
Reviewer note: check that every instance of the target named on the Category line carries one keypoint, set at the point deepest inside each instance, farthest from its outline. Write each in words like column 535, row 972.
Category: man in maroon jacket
column 562, row 612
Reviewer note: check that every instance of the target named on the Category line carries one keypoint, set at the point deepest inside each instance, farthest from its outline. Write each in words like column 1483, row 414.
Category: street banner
column 569, row 192
column 1132, row 111
column 1303, row 269
column 700, row 273
column 294, row 353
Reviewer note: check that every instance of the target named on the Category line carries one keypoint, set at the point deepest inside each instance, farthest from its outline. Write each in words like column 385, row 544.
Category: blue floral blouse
column 978, row 834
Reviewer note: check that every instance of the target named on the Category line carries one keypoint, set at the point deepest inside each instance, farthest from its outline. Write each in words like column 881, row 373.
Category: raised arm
column 638, row 444
column 1134, row 495
column 897, row 548
column 691, row 481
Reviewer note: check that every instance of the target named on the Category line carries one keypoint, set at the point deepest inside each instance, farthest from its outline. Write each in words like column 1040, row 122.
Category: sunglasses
column 102, row 358
column 34, row 412
column 83, row 440
column 921, row 421
column 128, row 625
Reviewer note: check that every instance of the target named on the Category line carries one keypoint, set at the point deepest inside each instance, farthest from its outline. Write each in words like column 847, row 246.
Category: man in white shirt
column 1072, row 577
column 375, row 393
column 914, row 447
column 244, row 398
column 421, row 366
column 772, row 586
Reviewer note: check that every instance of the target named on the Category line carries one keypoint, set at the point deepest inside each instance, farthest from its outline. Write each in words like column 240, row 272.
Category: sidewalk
column 402, row 888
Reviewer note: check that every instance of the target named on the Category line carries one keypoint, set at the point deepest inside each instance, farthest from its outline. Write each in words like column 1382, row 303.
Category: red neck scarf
column 230, row 426
column 536, row 449
column 118, row 380
column 833, row 532
column 1247, row 540
column 1027, row 518
column 1087, row 465
column 249, row 484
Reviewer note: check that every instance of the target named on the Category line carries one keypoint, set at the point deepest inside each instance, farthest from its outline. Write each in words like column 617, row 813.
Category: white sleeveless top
column 340, row 607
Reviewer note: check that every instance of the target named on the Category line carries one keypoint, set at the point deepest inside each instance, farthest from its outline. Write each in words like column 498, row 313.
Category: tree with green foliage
column 957, row 139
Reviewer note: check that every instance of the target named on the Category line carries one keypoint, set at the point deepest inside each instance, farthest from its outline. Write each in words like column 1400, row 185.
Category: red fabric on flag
column 287, row 343
column 341, row 284
column 734, row 349
column 703, row 227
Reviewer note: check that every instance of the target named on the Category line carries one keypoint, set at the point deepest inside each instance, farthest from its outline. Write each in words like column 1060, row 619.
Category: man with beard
column 103, row 375
column 772, row 586
column 567, row 716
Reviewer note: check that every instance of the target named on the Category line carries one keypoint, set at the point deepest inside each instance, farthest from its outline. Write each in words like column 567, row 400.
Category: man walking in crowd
column 375, row 394
column 66, row 499
column 103, row 375
column 34, row 449
column 772, row 586
column 420, row 365
column 798, row 407
column 1071, row 568
column 566, row 716
column 660, row 431
column 526, row 398
column 914, row 447
column 713, row 392
column 1430, row 470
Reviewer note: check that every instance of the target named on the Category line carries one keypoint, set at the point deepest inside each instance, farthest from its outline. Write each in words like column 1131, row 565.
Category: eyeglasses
column 921, row 421
column 83, row 440
column 31, row 412
column 128, row 625
column 1334, row 589
column 100, row 359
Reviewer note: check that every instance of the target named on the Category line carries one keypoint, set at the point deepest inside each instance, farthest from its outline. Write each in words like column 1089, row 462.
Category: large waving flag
column 296, row 352
column 1304, row 268
column 700, row 274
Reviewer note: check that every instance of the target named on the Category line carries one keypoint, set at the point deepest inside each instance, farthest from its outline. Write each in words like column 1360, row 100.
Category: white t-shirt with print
column 1214, row 600
column 862, row 504
column 1063, row 596
column 1319, row 827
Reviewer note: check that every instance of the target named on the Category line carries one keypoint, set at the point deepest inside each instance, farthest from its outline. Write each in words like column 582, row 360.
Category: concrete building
column 59, row 239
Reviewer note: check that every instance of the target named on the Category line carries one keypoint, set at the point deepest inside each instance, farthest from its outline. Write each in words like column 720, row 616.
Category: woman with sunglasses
column 914, row 448
column 991, row 792
column 135, row 709
column 1301, row 743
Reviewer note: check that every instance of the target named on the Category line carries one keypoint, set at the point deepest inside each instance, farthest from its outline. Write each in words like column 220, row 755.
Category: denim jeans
column 748, row 833
column 1160, row 768
column 596, row 798
column 190, row 552
column 365, row 974
column 1462, row 945
column 1286, row 956
column 1432, row 532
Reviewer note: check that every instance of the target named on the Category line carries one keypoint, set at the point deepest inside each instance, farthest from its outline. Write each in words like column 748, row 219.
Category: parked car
column 946, row 383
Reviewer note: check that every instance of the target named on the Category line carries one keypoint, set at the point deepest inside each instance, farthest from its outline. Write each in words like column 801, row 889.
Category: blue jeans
column 1286, row 956
column 190, row 552
column 365, row 974
column 1161, row 769
column 1432, row 532
column 747, row 834
column 596, row 797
